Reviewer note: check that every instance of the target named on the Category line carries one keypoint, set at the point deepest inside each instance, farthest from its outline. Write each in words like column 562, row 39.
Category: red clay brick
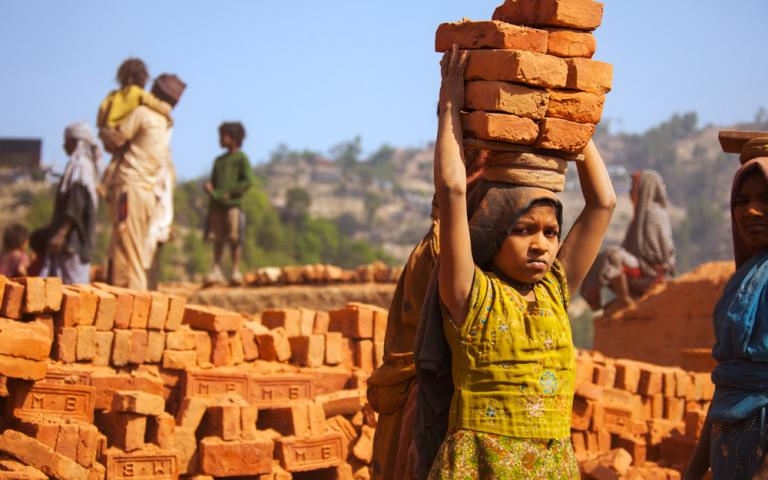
column 204, row 348
column 86, row 343
column 651, row 381
column 306, row 321
column 615, row 419
column 142, row 403
column 345, row 402
column 214, row 383
column 469, row 35
column 86, row 304
column 250, row 347
column 161, row 431
column 364, row 355
column 578, row 14
column 580, row 107
column 333, row 347
column 191, row 411
column 13, row 298
column 212, row 319
column 104, row 316
column 304, row 454
column 44, row 458
column 499, row 127
column 578, row 440
column 589, row 75
column 155, row 346
column 677, row 450
column 274, row 346
column 142, row 304
column 270, row 391
column 581, row 414
column 363, row 448
column 570, row 43
column 658, row 429
column 236, row 348
column 674, row 408
column 299, row 418
column 142, row 465
column 67, row 440
column 494, row 96
column 124, row 430
column 565, row 136
column 34, row 294
column 123, row 304
column 179, row 360
column 182, row 339
column 26, row 340
column 87, row 444
column 517, row 66
column 66, row 344
column 138, row 346
column 242, row 457
column 29, row 400
column 287, row 318
column 176, row 306
column 221, row 354
column 185, row 444
column 158, row 311
column 107, row 383
column 308, row 351
column 694, row 423
column 249, row 416
column 53, row 294
column 322, row 319
column 223, row 421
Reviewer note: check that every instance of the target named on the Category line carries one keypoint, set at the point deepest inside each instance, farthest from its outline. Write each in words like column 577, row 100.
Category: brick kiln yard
column 101, row 382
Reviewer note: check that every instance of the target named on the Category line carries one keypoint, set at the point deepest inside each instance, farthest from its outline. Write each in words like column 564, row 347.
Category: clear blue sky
column 311, row 73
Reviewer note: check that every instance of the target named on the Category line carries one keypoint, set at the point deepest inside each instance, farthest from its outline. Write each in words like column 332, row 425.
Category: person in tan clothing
column 138, row 168
column 392, row 388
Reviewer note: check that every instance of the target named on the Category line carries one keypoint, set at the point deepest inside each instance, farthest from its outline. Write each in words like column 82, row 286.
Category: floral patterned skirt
column 737, row 451
column 470, row 455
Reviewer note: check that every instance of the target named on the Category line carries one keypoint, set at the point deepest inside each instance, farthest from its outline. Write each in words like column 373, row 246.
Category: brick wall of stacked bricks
column 101, row 382
column 377, row 272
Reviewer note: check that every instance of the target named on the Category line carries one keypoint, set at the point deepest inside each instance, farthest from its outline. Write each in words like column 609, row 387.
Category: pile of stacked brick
column 533, row 93
column 376, row 272
column 636, row 420
column 142, row 385
column 103, row 382
column 679, row 313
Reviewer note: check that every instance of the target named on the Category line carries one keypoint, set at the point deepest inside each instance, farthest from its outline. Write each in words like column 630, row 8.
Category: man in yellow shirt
column 138, row 167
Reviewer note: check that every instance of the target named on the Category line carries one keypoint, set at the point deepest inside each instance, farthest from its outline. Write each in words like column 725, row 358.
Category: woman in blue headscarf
column 734, row 440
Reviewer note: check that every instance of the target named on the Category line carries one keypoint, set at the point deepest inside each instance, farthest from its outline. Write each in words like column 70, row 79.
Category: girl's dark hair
column 234, row 130
column 132, row 71
column 14, row 237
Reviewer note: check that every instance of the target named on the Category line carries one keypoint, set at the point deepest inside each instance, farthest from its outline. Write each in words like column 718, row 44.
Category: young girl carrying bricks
column 504, row 281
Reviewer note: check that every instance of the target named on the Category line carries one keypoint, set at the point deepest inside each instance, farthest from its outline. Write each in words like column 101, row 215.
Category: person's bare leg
column 620, row 287
column 215, row 276
column 236, row 251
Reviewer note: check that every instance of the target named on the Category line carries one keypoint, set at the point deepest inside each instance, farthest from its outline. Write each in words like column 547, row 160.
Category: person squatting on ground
column 647, row 255
column 498, row 297
column 138, row 167
column 392, row 387
column 231, row 178
column 734, row 440
column 71, row 230
column 14, row 260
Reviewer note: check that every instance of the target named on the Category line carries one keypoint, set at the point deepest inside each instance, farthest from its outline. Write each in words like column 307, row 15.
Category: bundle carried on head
column 748, row 145
column 533, row 93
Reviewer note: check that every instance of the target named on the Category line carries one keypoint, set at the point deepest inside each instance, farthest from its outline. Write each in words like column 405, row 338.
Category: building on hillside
column 325, row 171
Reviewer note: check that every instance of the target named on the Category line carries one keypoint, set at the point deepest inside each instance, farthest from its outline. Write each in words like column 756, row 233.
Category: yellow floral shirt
column 513, row 360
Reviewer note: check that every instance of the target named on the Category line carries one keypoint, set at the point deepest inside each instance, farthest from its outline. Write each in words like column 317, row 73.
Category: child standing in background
column 230, row 179
column 14, row 260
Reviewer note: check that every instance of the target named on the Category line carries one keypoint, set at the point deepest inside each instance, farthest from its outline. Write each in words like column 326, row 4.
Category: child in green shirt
column 231, row 178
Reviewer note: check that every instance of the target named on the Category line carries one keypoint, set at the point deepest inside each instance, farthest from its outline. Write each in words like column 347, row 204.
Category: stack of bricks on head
column 103, row 382
column 533, row 93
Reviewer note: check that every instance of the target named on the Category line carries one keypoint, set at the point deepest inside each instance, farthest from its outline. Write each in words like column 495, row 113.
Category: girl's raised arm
column 456, row 264
column 583, row 242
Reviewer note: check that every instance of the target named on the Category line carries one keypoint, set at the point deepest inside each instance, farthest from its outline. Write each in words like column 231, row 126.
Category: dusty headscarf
column 741, row 249
column 85, row 161
column 493, row 208
column 649, row 237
